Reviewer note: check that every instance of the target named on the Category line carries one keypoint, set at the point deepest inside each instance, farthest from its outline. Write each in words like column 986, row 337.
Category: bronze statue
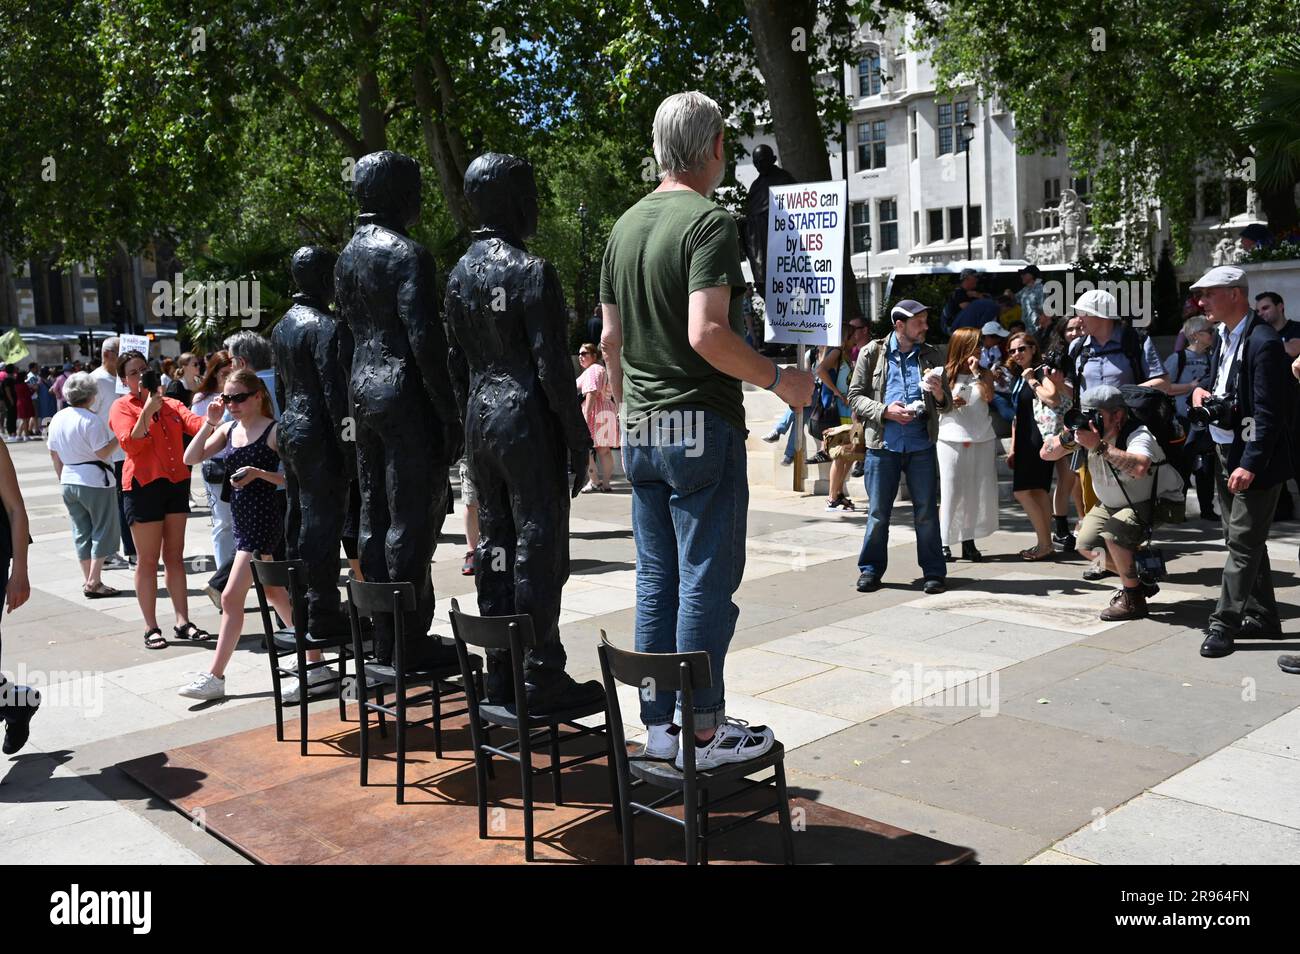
column 408, row 430
column 756, row 211
column 523, row 428
column 312, row 352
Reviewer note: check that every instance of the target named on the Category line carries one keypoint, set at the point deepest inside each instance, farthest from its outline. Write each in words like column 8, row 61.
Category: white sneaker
column 734, row 741
column 662, row 741
column 293, row 687
column 205, row 686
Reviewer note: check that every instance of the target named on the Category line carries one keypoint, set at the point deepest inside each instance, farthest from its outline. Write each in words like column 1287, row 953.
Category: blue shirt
column 1108, row 364
column 903, row 384
column 976, row 315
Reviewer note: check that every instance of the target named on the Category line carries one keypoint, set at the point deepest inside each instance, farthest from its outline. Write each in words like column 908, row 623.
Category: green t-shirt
column 663, row 248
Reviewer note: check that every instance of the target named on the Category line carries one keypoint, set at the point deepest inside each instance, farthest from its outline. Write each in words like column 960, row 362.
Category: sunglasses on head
column 239, row 398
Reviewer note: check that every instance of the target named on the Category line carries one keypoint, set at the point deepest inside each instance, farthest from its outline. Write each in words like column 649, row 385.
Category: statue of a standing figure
column 513, row 376
column 312, row 352
column 1071, row 210
column 407, row 424
column 756, row 204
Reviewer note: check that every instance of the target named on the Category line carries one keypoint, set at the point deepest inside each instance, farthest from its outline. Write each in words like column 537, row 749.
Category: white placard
column 803, row 288
column 127, row 343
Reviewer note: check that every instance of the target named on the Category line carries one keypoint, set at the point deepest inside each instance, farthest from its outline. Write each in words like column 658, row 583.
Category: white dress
column 968, row 477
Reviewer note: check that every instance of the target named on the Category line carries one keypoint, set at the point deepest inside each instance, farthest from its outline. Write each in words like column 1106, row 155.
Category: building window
column 954, row 224
column 1051, row 193
column 974, row 222
column 1213, row 191
column 871, row 145
column 911, row 131
column 935, row 231
column 861, row 237
column 1237, row 198
column 864, row 299
column 869, row 73
column 1082, row 186
column 916, row 227
column 951, row 117
column 887, row 214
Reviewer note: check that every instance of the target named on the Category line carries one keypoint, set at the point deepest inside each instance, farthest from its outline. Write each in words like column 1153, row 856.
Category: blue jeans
column 883, row 469
column 690, row 495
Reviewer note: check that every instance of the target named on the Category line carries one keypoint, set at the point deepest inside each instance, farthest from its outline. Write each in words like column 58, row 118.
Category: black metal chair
column 296, row 641
column 515, row 633
column 366, row 600
column 684, row 673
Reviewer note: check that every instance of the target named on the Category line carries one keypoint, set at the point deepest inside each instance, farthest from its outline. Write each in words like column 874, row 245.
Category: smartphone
column 240, row 474
column 150, row 381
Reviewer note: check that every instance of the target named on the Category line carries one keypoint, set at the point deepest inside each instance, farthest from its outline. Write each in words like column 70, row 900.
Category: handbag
column 825, row 412
column 846, row 442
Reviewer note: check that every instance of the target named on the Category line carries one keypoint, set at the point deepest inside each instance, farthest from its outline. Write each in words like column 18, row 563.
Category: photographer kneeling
column 1129, row 474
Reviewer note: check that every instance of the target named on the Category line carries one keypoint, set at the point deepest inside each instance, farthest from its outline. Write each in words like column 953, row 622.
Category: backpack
column 1155, row 411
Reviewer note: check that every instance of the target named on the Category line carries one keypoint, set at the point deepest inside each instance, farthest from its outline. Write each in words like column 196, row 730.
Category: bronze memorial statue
column 312, row 351
column 408, row 430
column 523, row 429
column 756, row 204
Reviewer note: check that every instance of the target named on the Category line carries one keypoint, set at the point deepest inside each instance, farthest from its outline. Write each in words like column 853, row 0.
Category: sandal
column 1033, row 553
column 99, row 592
column 467, row 568
column 190, row 631
column 154, row 639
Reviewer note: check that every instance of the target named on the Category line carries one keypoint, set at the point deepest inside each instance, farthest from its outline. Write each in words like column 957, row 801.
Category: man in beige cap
column 1248, row 399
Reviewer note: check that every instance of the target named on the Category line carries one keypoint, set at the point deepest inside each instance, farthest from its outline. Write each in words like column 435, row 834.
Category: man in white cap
column 1248, row 396
column 1109, row 352
column 899, row 404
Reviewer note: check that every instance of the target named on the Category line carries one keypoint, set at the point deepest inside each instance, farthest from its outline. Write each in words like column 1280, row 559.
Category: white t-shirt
column 75, row 434
column 107, row 384
column 1107, row 487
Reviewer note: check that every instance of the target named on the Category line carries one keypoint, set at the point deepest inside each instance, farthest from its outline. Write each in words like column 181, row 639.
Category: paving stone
column 844, row 693
column 754, row 671
column 1156, row 830
column 1244, row 782
column 914, row 622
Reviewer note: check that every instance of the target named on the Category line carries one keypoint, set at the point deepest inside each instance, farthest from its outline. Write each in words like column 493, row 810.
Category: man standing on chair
column 407, row 427
column 513, row 378
column 671, row 287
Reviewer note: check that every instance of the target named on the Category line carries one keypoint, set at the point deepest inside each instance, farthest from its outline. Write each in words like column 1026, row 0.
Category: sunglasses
column 1018, row 350
column 239, row 398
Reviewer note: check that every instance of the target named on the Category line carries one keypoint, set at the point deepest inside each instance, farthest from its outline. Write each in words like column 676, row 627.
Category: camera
column 1213, row 410
column 1077, row 419
column 1056, row 360
column 150, row 381
column 917, row 407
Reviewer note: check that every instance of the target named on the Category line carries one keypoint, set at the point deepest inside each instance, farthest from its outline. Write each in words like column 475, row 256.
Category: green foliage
column 1168, row 302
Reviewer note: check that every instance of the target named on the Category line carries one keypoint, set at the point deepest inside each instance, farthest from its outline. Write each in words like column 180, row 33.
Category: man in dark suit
column 1249, row 374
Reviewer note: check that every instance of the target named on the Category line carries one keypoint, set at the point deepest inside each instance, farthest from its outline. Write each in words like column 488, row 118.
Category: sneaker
column 1066, row 541
column 734, row 741
column 1289, row 664
column 662, row 741
column 214, row 595
column 771, row 437
column 205, row 686
column 116, row 562
column 787, row 461
column 1125, row 604
column 291, row 694
column 821, row 457
column 833, row 506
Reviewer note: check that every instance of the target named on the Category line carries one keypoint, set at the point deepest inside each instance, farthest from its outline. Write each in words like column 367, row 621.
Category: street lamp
column 579, row 296
column 967, row 134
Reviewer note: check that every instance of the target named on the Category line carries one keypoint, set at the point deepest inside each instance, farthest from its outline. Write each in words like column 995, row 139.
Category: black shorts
column 155, row 500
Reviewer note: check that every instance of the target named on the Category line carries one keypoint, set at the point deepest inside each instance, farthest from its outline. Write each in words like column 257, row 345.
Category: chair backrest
column 652, row 673
column 491, row 632
column 291, row 575
column 371, row 598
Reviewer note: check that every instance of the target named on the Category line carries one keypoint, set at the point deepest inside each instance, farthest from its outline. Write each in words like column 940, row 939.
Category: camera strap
column 1149, row 527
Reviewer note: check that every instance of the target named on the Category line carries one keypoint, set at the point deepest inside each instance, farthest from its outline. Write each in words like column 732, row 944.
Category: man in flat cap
column 1249, row 397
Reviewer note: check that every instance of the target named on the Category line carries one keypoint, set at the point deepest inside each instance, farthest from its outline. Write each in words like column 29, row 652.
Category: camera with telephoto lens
column 1213, row 410
column 150, row 381
column 1077, row 419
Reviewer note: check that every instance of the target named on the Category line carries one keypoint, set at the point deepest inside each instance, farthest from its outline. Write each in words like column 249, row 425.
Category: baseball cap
column 907, row 308
column 966, row 273
column 1222, row 276
column 1104, row 397
column 1099, row 303
column 1032, row 270
column 995, row 328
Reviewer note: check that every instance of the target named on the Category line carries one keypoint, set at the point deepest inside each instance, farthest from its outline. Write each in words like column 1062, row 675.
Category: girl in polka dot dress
column 256, row 506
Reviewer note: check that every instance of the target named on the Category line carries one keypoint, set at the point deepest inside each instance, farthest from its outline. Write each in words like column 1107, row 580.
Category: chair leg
column 629, row 819
column 400, row 726
column 437, row 718
column 364, row 720
column 526, row 771
column 704, row 826
column 343, row 675
column 383, row 724
column 783, row 811
column 615, row 801
column 555, row 763
column 482, row 763
column 487, row 740
column 303, row 698
column 277, row 692
column 691, row 816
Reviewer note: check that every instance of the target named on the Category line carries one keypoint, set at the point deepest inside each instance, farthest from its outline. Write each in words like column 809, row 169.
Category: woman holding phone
column 257, row 507
column 155, row 490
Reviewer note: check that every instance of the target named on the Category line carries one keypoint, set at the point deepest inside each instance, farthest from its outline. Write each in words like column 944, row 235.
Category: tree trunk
column 437, row 140
column 374, row 125
column 787, row 72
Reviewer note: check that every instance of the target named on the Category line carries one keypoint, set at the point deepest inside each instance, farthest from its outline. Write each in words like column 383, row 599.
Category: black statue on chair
column 408, row 430
column 312, row 352
column 523, row 427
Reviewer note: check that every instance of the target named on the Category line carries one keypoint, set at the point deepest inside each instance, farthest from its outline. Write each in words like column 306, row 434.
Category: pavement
column 1002, row 715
